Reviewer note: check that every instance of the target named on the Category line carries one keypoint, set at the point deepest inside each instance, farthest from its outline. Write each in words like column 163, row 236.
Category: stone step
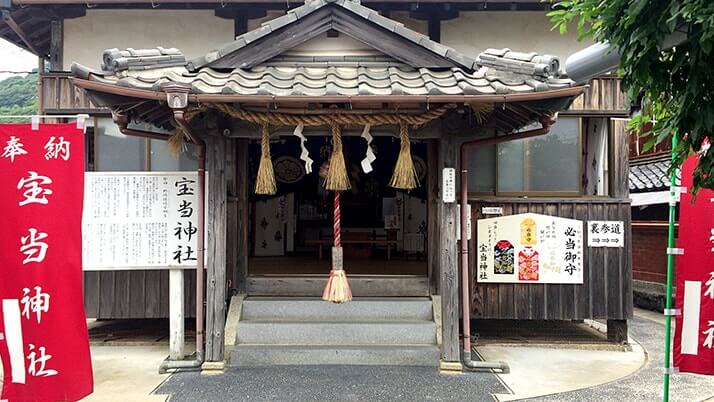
column 268, row 355
column 402, row 309
column 336, row 333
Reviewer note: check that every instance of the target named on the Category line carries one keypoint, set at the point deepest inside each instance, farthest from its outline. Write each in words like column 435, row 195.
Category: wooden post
column 617, row 331
column 56, row 45
column 176, row 314
column 448, row 263
column 216, row 247
column 242, row 194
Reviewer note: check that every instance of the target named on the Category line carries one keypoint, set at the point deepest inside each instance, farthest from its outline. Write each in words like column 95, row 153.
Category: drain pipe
column 472, row 365
column 122, row 122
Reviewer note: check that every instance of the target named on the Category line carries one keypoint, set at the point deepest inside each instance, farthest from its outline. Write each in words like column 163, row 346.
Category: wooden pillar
column 448, row 258
column 242, row 214
column 216, row 246
column 617, row 331
column 433, row 255
column 56, row 45
column 176, row 314
column 434, row 27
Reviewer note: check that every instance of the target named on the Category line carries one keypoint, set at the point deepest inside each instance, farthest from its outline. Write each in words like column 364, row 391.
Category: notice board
column 529, row 248
column 140, row 220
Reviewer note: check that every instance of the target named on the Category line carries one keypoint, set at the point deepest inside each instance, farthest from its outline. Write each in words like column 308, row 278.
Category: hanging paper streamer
column 304, row 155
column 370, row 157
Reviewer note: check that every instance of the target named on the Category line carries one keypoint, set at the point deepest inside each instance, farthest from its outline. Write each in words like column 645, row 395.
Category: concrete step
column 268, row 355
column 336, row 333
column 407, row 309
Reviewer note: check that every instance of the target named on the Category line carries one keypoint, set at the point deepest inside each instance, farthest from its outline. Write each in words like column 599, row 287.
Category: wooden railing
column 604, row 96
column 59, row 96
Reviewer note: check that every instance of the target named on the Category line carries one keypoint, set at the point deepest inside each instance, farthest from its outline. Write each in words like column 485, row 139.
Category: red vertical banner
column 694, row 333
column 44, row 347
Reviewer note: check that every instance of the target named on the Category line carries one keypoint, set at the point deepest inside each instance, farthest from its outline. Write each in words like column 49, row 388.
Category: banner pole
column 670, row 273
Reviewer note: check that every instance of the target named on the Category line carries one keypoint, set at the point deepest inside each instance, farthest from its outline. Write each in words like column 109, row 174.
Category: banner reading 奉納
column 44, row 347
column 694, row 333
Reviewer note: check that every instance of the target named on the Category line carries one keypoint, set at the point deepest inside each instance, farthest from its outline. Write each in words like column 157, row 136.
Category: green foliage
column 18, row 96
column 676, row 83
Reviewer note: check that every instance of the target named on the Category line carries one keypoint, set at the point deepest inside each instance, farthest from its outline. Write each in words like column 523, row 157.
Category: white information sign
column 529, row 248
column 492, row 210
column 606, row 234
column 448, row 185
column 140, row 220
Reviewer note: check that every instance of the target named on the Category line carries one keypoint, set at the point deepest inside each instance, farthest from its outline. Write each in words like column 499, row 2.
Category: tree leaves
column 677, row 82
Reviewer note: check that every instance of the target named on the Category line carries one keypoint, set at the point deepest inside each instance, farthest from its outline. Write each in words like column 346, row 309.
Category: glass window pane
column 511, row 165
column 481, row 166
column 163, row 161
column 550, row 163
column 116, row 151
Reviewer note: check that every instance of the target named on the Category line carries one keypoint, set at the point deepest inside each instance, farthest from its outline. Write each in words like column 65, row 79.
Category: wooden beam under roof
column 20, row 33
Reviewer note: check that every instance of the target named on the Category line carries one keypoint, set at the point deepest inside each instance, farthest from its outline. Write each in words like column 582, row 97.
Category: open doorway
column 384, row 230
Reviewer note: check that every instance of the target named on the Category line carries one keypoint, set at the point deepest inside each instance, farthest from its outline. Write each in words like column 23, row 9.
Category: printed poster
column 529, row 248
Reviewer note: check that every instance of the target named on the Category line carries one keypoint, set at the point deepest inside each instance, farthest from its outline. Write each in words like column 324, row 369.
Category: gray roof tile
column 324, row 79
column 650, row 174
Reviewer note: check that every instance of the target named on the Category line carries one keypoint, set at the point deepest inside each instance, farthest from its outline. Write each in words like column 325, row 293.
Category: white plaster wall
column 527, row 31
column 194, row 32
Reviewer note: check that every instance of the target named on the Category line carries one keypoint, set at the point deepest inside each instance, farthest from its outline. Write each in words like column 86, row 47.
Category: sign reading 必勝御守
column 606, row 233
column 140, row 220
column 529, row 248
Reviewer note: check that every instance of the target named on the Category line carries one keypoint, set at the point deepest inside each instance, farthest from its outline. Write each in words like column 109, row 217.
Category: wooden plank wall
column 134, row 294
column 606, row 292
column 59, row 95
column 604, row 96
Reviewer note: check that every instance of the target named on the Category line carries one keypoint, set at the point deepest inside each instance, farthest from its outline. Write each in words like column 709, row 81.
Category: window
column 118, row 152
column 549, row 164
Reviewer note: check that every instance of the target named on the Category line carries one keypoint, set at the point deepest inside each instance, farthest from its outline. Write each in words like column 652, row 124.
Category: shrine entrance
column 384, row 230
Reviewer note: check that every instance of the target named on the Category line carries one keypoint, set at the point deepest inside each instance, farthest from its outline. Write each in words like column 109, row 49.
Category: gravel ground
column 645, row 384
column 331, row 383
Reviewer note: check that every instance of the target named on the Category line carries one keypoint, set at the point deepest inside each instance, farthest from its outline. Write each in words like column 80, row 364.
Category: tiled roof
column 493, row 72
column 333, row 80
column 650, row 174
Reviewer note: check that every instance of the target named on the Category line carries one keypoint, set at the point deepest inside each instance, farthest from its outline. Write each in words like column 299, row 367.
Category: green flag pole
column 670, row 272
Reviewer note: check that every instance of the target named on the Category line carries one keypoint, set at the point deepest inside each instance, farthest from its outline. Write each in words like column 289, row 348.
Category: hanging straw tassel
column 337, row 179
column 265, row 182
column 404, row 176
column 337, row 289
column 176, row 143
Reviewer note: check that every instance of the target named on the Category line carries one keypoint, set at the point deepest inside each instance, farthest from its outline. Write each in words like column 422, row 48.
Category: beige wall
column 526, row 31
column 194, row 32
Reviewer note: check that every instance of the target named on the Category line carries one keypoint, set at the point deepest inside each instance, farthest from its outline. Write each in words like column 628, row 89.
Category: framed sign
column 529, row 248
column 606, row 234
column 140, row 220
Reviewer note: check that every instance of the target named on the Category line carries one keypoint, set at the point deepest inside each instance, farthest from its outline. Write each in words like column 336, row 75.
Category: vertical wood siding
column 134, row 294
column 606, row 292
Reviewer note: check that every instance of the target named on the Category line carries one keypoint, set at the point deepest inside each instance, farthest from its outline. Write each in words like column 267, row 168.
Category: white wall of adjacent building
column 194, row 32
column 524, row 31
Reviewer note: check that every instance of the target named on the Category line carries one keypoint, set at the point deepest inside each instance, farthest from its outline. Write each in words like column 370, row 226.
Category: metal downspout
column 122, row 122
column 464, row 245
